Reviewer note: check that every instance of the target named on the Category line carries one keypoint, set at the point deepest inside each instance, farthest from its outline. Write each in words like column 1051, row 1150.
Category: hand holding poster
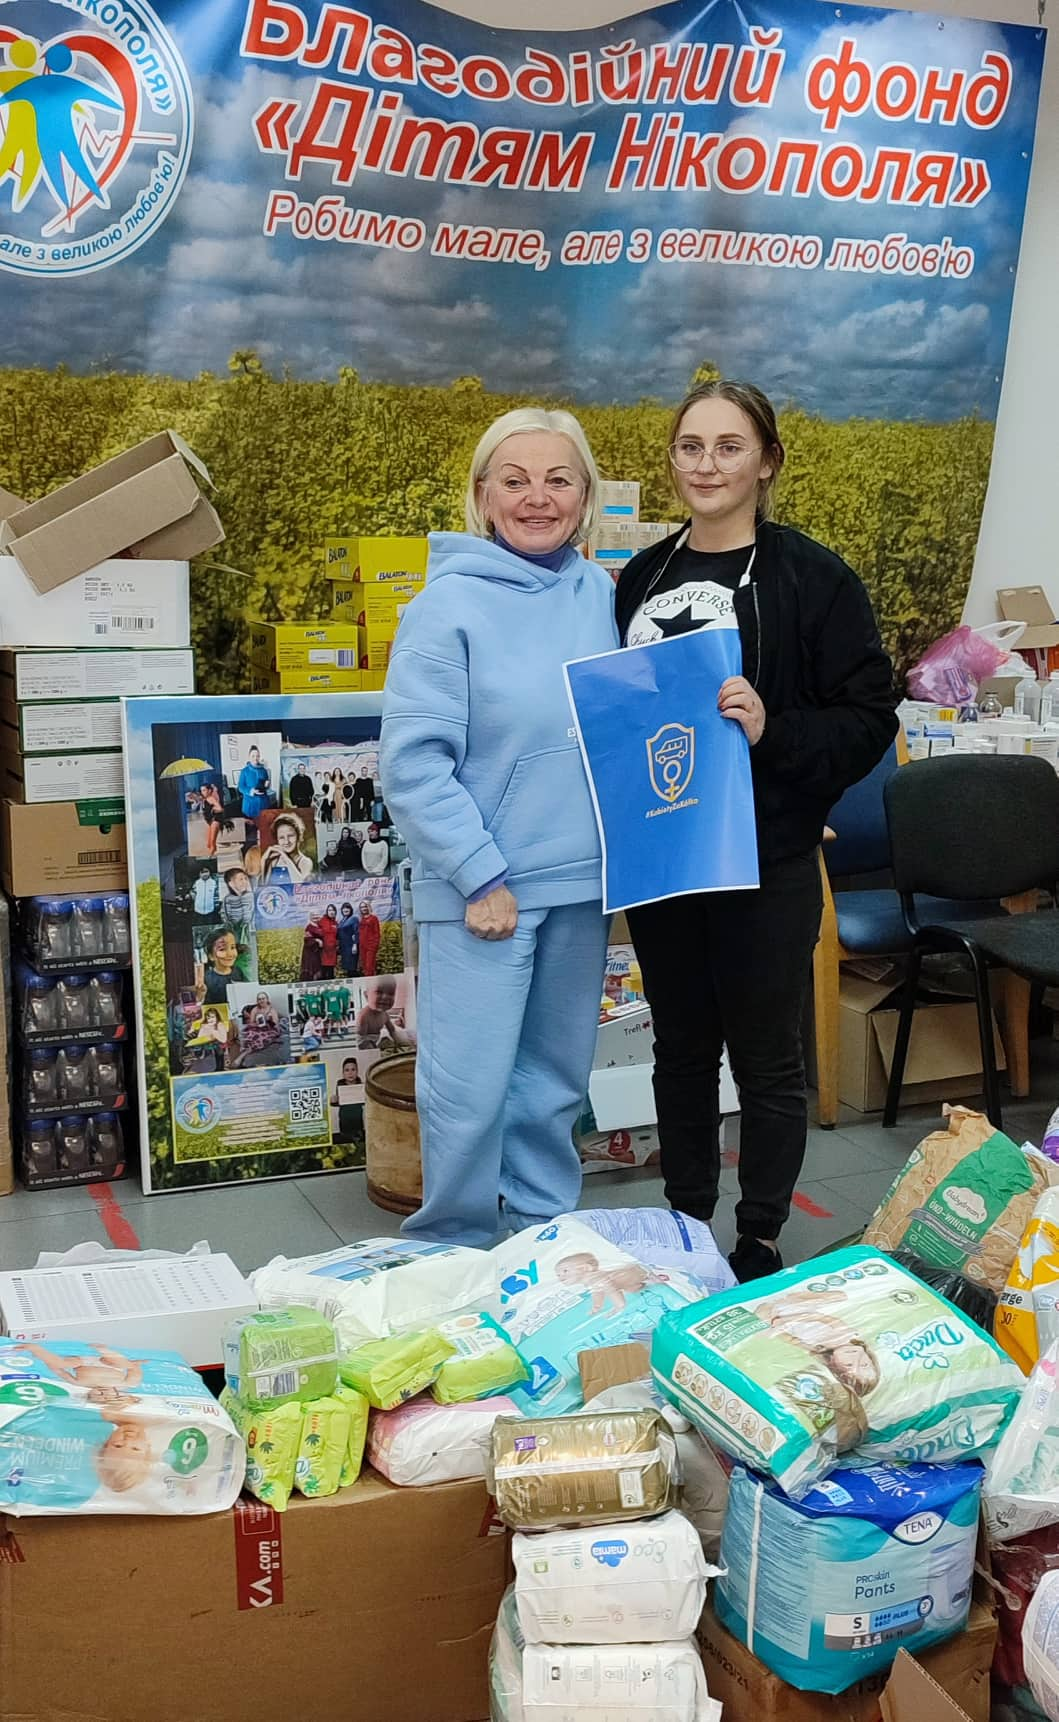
column 670, row 777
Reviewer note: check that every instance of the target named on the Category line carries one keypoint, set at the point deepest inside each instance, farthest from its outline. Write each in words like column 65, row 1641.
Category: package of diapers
column 389, row 1371
column 551, row 1472
column 963, row 1200
column 846, row 1353
column 1022, row 1476
column 594, row 1683
column 384, row 1286
column 359, row 1411
column 87, row 1429
column 1027, row 1314
column 826, row 1590
column 275, row 1355
column 425, row 1443
column 323, row 1447
column 1040, row 1645
column 704, row 1495
column 564, row 1290
column 272, row 1438
column 484, row 1361
column 640, row 1583
column 662, row 1239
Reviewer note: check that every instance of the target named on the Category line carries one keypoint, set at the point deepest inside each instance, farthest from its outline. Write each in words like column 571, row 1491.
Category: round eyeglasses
column 688, row 453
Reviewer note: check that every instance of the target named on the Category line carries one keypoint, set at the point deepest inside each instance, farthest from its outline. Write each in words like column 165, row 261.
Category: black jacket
column 812, row 650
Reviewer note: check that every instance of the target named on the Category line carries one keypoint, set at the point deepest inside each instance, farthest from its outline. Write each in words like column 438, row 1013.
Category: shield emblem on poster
column 671, row 760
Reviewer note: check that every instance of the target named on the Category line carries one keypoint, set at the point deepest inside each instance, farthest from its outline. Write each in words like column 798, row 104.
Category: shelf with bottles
column 70, row 1079
column 61, row 935
column 75, row 1148
column 68, row 1009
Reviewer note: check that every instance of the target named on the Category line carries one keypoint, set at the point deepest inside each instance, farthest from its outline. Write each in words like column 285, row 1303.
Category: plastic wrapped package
column 275, row 1355
column 359, row 1411
column 1040, row 1645
column 424, row 1443
column 846, row 1353
column 88, row 1429
column 662, row 1239
column 1027, row 1316
column 323, row 1447
column 704, row 1495
column 594, row 1683
column 484, row 1361
column 271, row 1438
column 390, row 1371
column 551, row 1472
column 1022, row 1478
column 973, row 1300
column 826, row 1590
column 381, row 1287
column 644, row 1583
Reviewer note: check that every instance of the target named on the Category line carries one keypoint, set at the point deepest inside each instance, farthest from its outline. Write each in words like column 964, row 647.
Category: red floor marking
column 116, row 1223
column 808, row 1206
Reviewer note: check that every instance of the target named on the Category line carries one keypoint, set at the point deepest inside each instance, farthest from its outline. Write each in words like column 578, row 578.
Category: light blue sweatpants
column 506, row 1036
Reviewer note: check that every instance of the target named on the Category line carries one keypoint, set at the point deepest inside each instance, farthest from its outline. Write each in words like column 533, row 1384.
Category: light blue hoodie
column 479, row 759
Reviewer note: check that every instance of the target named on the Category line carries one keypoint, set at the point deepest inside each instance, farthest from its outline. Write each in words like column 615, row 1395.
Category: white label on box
column 102, row 675
column 46, row 728
column 69, row 777
column 123, row 624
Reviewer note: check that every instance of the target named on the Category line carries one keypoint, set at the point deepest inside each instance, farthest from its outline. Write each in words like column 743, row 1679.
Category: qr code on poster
column 306, row 1105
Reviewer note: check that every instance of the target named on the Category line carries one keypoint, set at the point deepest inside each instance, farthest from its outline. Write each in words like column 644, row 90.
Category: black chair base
column 980, row 970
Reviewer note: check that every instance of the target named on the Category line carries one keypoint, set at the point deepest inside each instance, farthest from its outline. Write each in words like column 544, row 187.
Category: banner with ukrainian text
column 328, row 245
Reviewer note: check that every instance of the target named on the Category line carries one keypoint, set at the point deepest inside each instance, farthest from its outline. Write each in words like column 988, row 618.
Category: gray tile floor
column 846, row 1171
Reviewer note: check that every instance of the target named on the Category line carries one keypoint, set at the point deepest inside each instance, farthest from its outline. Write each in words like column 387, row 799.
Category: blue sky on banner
column 839, row 343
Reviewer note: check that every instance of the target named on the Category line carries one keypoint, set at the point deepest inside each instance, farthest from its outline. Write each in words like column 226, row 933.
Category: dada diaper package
column 423, row 1443
column 86, row 1429
column 383, row 1286
column 564, row 1290
column 847, row 1353
column 596, row 1469
column 827, row 1589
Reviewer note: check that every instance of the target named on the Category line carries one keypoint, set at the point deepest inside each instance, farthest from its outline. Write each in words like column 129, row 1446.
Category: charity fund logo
column 671, row 761
column 95, row 132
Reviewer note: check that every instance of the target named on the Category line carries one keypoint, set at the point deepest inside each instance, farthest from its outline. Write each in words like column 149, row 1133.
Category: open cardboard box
column 1029, row 604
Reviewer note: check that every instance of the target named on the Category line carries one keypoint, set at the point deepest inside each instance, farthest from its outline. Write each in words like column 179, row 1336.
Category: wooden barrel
column 391, row 1134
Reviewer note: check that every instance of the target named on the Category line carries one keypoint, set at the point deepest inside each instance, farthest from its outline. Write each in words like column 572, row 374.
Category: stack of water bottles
column 72, row 1016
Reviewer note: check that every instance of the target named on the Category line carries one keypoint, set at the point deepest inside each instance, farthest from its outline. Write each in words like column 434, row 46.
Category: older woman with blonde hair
column 485, row 783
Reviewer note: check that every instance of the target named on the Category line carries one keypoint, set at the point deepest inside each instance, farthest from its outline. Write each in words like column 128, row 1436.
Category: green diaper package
column 271, row 1438
column 277, row 1355
column 485, row 1363
column 845, row 1354
column 323, row 1447
column 389, row 1371
column 358, row 1408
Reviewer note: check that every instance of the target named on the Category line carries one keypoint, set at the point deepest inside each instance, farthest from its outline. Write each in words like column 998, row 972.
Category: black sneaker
column 753, row 1260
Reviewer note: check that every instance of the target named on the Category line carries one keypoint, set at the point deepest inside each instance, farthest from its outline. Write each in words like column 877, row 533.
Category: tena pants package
column 704, row 1496
column 276, row 1355
column 1027, row 1317
column 384, row 1286
column 963, row 1200
column 640, row 1583
column 425, row 1443
column 484, row 1361
column 87, row 1429
column 564, row 1290
column 551, row 1472
column 1022, row 1478
column 661, row 1239
column 359, row 1410
column 1040, row 1645
column 826, row 1590
column 594, row 1683
column 844, row 1353
column 323, row 1448
column 389, row 1371
column 272, row 1438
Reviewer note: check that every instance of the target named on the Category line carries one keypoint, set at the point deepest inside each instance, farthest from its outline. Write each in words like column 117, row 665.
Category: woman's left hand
column 739, row 701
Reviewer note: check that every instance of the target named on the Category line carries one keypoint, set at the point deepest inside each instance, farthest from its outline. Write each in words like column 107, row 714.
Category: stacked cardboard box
column 372, row 581
column 310, row 657
column 622, row 534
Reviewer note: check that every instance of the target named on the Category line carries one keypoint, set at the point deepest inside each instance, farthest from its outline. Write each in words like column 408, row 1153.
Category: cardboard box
column 913, row 1695
column 305, row 645
column 944, row 1057
column 118, row 603
column 374, row 606
column 145, row 503
column 107, row 674
column 181, row 1304
column 618, row 541
column 377, row 1603
column 61, row 846
column 376, row 561
column 612, row 1366
column 85, row 725
column 7, row 1162
column 619, row 499
column 319, row 680
column 46, row 777
column 746, row 1688
column 1032, row 605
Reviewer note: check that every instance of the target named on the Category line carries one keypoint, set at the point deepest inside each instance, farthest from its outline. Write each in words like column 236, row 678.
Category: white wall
column 1015, row 544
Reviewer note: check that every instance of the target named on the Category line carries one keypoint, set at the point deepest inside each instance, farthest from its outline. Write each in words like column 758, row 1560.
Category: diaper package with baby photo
column 550, row 1472
column 1022, row 1477
column 663, row 1239
column 1027, row 1315
column 826, row 1590
column 963, row 1199
column 384, row 1286
column 275, row 1355
column 564, row 1290
column 594, row 1683
column 844, row 1354
column 641, row 1583
column 87, row 1429
column 424, row 1443
column 484, row 1361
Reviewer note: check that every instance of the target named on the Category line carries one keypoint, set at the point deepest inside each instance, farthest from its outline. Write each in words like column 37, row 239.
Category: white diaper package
column 706, row 1474
column 643, row 1582
column 564, row 1290
column 423, row 1442
column 383, row 1286
column 1040, row 1645
column 663, row 1239
column 1021, row 1490
column 594, row 1683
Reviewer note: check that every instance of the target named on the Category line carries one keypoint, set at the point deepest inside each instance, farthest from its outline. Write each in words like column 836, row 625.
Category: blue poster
column 670, row 777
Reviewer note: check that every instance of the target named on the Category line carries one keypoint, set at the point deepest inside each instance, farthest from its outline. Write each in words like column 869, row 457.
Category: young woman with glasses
column 816, row 704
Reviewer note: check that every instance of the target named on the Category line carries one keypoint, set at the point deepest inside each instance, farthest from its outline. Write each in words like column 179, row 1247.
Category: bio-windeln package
column 383, row 1286
column 826, row 1590
column 844, row 1354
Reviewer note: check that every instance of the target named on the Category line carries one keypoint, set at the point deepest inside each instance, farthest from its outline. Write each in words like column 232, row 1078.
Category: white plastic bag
column 382, row 1286
column 662, row 1239
column 1040, row 1645
column 422, row 1443
column 1021, row 1491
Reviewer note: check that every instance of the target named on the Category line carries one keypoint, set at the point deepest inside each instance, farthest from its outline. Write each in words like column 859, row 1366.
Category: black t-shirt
column 696, row 591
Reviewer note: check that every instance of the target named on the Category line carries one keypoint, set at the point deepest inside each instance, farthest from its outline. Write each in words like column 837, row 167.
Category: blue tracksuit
column 484, row 780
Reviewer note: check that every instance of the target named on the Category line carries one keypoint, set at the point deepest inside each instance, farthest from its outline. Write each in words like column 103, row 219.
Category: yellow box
column 374, row 680
column 296, row 646
column 340, row 554
column 373, row 605
column 376, row 561
column 311, row 681
column 376, row 655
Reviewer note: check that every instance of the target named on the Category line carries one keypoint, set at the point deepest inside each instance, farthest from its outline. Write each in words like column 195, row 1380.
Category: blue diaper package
column 826, row 1590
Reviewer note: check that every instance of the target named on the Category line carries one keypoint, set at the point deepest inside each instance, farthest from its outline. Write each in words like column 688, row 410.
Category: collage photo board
column 274, row 962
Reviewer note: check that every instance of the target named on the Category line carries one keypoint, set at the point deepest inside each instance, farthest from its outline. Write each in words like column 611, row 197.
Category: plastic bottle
column 1028, row 698
column 108, row 1071
column 73, row 1142
column 42, row 1078
column 40, row 1150
column 52, row 930
column 1050, row 699
column 108, row 1147
column 75, row 1074
column 76, row 1003
column 41, row 1006
column 88, row 927
column 118, row 931
column 106, row 999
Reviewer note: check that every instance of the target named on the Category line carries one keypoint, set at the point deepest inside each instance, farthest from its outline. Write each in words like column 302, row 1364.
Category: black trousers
column 730, row 968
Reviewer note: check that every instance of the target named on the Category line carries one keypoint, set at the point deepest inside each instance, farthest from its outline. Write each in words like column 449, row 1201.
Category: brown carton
column 60, row 846
column 1032, row 605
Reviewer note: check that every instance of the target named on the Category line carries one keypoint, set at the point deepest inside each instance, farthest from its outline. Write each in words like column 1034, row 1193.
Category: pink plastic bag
column 950, row 670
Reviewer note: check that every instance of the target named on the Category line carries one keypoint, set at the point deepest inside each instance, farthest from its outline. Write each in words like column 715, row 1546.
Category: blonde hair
column 511, row 424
